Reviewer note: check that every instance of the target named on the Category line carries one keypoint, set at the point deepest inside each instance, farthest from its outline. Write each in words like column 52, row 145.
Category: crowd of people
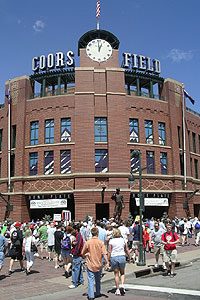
column 93, row 245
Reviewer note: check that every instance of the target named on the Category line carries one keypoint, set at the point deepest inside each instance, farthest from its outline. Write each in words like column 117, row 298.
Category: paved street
column 47, row 283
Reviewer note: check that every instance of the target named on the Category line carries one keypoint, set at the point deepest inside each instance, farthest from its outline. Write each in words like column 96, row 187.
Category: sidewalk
column 46, row 283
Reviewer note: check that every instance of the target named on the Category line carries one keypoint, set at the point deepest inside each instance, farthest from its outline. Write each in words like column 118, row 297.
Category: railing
column 192, row 111
column 144, row 94
column 50, row 93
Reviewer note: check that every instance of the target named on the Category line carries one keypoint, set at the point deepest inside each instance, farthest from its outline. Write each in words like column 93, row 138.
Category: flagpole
column 9, row 127
column 184, row 144
column 98, row 27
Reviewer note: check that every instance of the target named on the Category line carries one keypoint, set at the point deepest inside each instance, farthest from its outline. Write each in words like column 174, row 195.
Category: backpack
column 172, row 234
column 181, row 227
column 197, row 225
column 15, row 239
column 66, row 243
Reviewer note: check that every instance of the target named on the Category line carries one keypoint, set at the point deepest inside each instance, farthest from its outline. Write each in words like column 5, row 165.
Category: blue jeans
column 77, row 271
column 94, row 276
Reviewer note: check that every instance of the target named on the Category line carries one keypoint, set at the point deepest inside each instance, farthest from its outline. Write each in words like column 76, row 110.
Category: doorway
column 102, row 211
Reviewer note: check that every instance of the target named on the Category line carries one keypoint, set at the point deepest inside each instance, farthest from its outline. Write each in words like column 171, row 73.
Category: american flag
column 98, row 9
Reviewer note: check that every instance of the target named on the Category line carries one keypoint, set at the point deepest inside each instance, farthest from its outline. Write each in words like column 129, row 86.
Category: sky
column 168, row 30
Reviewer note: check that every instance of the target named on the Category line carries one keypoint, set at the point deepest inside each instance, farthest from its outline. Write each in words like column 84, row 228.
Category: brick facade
column 99, row 92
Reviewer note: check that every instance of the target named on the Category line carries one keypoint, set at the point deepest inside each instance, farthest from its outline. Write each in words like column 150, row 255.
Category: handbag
column 33, row 248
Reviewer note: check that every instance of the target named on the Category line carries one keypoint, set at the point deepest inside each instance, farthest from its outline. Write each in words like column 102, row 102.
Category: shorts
column 50, row 248
column 135, row 245
column 118, row 262
column 43, row 245
column 159, row 249
column 170, row 255
column 1, row 258
column 66, row 253
column 57, row 253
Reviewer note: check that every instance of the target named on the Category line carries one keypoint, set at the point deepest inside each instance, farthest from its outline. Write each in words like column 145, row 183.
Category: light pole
column 188, row 196
column 142, row 261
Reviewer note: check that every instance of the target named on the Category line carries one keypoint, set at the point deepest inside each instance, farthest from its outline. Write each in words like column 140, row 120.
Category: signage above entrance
column 48, row 203
column 153, row 202
column 142, row 63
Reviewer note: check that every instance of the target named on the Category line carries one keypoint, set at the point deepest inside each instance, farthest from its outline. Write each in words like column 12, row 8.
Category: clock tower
column 99, row 94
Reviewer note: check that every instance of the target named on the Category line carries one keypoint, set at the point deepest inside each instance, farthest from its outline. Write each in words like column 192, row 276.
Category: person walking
column 27, row 249
column 155, row 236
column 58, row 234
column 197, row 231
column 94, row 249
column 169, row 240
column 16, row 247
column 3, row 248
column 66, row 250
column 42, row 232
column 117, row 251
column 77, row 247
column 51, row 240
column 136, row 241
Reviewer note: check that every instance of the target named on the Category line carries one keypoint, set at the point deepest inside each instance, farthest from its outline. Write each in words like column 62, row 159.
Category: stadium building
column 69, row 136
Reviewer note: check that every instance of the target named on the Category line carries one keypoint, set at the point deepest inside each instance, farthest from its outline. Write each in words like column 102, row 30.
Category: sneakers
column 57, row 267
column 164, row 266
column 71, row 286
column 10, row 272
column 117, row 292
column 156, row 265
column 122, row 290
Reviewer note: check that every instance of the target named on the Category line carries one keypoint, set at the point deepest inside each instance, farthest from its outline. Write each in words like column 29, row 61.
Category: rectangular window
column 13, row 136
column 34, row 133
column 149, row 132
column 12, row 165
column 48, row 163
column 162, row 134
column 1, row 139
column 191, row 169
column 194, row 142
column 189, row 140
column 65, row 130
column 100, row 129
column 179, row 136
column 181, row 164
column 134, row 130
column 33, row 163
column 65, row 161
column 199, row 143
column 196, row 168
column 101, row 161
column 135, row 161
column 49, row 131
column 150, row 161
column 163, row 163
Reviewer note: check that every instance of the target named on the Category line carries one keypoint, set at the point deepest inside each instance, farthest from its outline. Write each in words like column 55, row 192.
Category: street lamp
column 142, row 261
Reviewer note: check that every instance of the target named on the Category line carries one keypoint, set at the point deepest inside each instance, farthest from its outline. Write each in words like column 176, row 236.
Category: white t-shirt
column 118, row 245
column 125, row 232
column 27, row 242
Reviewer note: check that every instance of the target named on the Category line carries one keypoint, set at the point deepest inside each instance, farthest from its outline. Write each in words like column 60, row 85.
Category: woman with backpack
column 66, row 249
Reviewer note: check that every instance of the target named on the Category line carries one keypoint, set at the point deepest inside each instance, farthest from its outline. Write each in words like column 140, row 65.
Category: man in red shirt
column 170, row 240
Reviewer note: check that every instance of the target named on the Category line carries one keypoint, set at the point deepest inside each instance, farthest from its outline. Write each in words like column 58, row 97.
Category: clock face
column 99, row 50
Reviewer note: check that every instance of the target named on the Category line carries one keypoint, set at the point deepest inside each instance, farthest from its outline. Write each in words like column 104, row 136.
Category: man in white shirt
column 51, row 239
column 125, row 231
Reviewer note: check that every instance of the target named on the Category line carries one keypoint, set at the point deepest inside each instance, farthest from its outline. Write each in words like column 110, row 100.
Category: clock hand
column 99, row 46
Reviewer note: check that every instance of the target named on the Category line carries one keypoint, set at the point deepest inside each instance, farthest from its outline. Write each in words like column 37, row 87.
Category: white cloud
column 39, row 26
column 177, row 55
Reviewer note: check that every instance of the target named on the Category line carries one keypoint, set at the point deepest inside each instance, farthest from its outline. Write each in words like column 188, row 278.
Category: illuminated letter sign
column 142, row 63
column 52, row 61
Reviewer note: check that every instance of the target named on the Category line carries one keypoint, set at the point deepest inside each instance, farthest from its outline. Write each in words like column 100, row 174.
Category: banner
column 48, row 203
column 153, row 201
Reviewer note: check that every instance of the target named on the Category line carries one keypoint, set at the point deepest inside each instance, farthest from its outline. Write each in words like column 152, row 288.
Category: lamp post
column 188, row 196
column 142, row 261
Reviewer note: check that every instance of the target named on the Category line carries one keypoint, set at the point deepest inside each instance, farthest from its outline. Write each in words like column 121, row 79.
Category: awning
column 153, row 201
column 48, row 203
